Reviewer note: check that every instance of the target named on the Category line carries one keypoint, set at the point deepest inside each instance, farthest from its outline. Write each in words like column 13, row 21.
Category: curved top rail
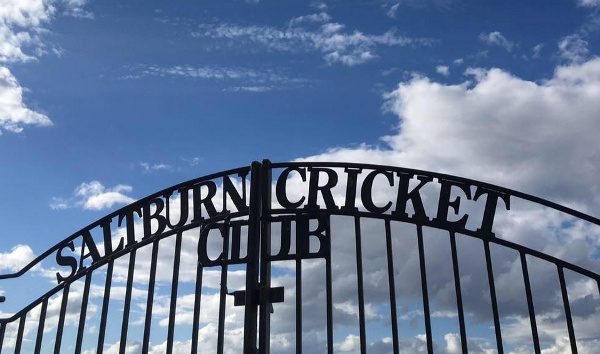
column 120, row 211
column 246, row 169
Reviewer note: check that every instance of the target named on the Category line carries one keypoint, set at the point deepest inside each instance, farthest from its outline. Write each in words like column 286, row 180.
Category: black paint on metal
column 259, row 216
column 150, row 298
column 457, row 289
column 40, row 329
column 530, row 306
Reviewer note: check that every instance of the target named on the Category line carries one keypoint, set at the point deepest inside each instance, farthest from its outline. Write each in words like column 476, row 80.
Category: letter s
column 66, row 261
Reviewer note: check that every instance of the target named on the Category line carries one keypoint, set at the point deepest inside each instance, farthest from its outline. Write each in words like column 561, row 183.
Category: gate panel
column 310, row 258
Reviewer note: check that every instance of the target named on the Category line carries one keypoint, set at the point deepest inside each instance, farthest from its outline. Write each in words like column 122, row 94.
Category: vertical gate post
column 252, row 268
column 264, row 327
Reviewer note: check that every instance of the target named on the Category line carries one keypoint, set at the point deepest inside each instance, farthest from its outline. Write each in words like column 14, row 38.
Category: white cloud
column 21, row 28
column 94, row 196
column 443, row 70
column 312, row 18
column 573, row 48
column 496, row 38
column 152, row 167
column 16, row 258
column 252, row 80
column 59, row 203
column 20, row 25
column 336, row 45
column 76, row 8
column 14, row 114
column 534, row 136
column 588, row 3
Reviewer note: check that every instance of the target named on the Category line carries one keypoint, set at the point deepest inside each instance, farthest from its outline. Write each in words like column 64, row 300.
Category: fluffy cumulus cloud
column 14, row 114
column 16, row 258
column 313, row 32
column 21, row 28
column 94, row 196
column 534, row 136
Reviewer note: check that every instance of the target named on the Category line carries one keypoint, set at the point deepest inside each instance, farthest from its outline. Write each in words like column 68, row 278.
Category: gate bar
column 265, row 264
column 565, row 298
column 2, row 330
column 392, row 285
column 61, row 318
column 424, row 289
column 174, row 286
column 251, row 310
column 532, row 320
column 457, row 289
column 83, row 312
column 127, row 305
column 19, row 341
column 105, row 301
column 40, row 331
column 329, row 291
column 490, row 273
column 150, row 298
column 361, row 296
column 298, row 296
column 197, row 300
column 223, row 289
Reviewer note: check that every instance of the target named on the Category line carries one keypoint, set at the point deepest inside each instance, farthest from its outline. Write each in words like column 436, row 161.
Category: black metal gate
column 276, row 226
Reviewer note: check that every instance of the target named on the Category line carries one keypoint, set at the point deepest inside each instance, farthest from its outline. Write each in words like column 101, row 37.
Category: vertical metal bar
column 127, row 305
column 83, row 312
column 19, row 340
column 105, row 301
column 361, row 295
column 565, row 298
column 264, row 325
column 298, row 299
column 40, row 330
column 223, row 291
column 250, row 310
column 197, row 299
column 424, row 291
column 459, row 302
column 532, row 321
column 490, row 273
column 61, row 318
column 2, row 330
column 392, row 285
column 329, row 291
column 174, row 286
column 150, row 298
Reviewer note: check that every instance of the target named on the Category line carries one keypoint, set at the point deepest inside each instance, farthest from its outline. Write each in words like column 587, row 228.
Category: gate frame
column 258, row 295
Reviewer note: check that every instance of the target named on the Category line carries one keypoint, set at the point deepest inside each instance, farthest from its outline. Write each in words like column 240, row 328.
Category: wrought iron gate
column 268, row 221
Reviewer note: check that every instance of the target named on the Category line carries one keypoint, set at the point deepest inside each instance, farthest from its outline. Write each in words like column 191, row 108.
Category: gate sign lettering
column 321, row 183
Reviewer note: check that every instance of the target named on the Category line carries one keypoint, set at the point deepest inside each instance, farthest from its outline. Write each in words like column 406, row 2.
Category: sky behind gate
column 104, row 102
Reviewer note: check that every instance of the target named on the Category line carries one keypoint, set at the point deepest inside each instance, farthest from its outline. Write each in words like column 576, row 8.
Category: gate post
column 251, row 293
column 265, row 266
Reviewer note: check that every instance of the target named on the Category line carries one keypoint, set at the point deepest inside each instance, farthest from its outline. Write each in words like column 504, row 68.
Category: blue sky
column 104, row 82
column 104, row 102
